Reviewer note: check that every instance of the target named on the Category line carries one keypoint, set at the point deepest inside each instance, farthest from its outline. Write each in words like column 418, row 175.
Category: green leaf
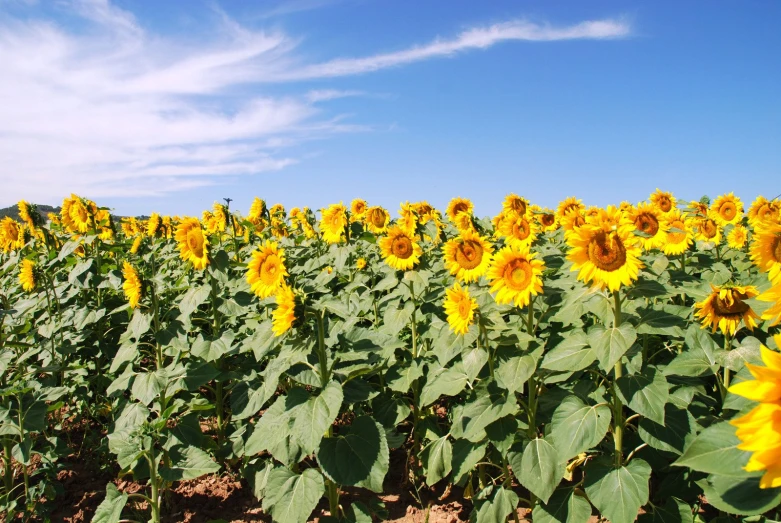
column 188, row 463
column 396, row 319
column 715, row 451
column 315, row 416
column 274, row 430
column 611, row 343
column 193, row 298
column 739, row 495
column 501, row 433
column 571, row 354
column 443, row 382
column 292, row 497
column 437, row 458
column 497, row 503
column 576, row 427
column 488, row 404
column 564, row 506
column 646, row 393
column 401, row 376
column 539, row 468
column 474, row 360
column 513, row 372
column 618, row 493
column 110, row 509
column 358, row 456
column 678, row 429
column 146, row 387
column 390, row 410
column 466, row 456
column 139, row 324
column 673, row 511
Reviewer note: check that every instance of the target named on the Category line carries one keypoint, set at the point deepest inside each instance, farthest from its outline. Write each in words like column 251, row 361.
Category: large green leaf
column 539, row 468
column 645, row 392
column 110, row 509
column 193, row 298
column 514, row 371
column 390, row 410
column 291, row 497
column 402, row 375
column 571, row 354
column 315, row 416
column 443, row 382
column 437, row 458
column 488, row 404
column 715, row 451
column 564, row 506
column 673, row 511
column 577, row 427
column 188, row 463
column 678, row 429
column 739, row 495
column 611, row 343
column 618, row 493
column 358, row 456
column 466, row 456
column 494, row 505
column 147, row 386
column 274, row 431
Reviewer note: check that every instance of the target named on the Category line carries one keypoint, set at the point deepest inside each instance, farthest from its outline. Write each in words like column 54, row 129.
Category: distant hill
column 13, row 211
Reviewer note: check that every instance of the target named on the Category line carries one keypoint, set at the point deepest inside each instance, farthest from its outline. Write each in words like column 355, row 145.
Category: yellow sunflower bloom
column 400, row 250
column 766, row 250
column 12, row 234
column 132, row 285
column 377, row 220
column 333, row 223
column 80, row 216
column 759, row 431
column 266, row 270
column 707, row 230
column 256, row 210
column 460, row 309
column 284, row 315
column 547, row 220
column 679, row 235
column 647, row 219
column 773, row 295
column 727, row 209
column 515, row 204
column 357, row 210
column 424, row 211
column 664, row 201
column 154, row 225
column 572, row 220
column 518, row 231
column 468, row 256
column 192, row 242
column 725, row 308
column 136, row 244
column 515, row 276
column 26, row 214
column 360, row 264
column 605, row 255
column 458, row 205
column 737, row 237
column 762, row 211
column 27, row 275
column 569, row 204
column 463, row 221
column 408, row 219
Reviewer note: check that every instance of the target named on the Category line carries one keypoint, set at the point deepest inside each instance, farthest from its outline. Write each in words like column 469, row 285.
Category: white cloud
column 113, row 110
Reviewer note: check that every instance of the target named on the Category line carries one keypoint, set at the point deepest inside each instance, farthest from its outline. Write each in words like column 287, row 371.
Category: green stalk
column 618, row 408
column 532, row 383
column 727, row 376
column 154, row 483
column 8, row 475
column 332, row 489
column 51, row 319
column 217, row 325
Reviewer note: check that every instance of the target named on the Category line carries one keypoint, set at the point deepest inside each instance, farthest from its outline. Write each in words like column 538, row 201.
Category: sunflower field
column 617, row 362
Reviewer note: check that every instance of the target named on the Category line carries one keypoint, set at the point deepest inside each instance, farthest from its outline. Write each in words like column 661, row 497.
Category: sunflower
column 515, row 276
column 664, row 201
column 568, row 205
column 27, row 275
column 467, row 256
column 515, row 204
column 12, row 234
column 698, row 209
column 460, row 309
column 132, row 285
column 279, row 228
column 408, row 219
column 458, row 205
column 547, row 220
column 759, row 431
column 277, row 210
column 518, row 231
column 726, row 209
column 463, row 221
column 136, row 244
column 154, row 225
column 357, row 210
column 766, row 250
column 192, row 243
column 79, row 214
column 737, row 237
column 377, row 219
column 333, row 222
column 725, row 307
column 27, row 214
column 772, row 314
column 424, row 211
column 360, row 264
column 762, row 211
column 216, row 222
column 572, row 220
column 256, row 210
column 604, row 254
column 399, row 249
column 284, row 315
column 679, row 235
column 707, row 230
column 648, row 220
column 266, row 270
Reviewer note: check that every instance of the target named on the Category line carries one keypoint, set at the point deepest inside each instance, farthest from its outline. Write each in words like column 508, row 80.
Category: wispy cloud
column 114, row 110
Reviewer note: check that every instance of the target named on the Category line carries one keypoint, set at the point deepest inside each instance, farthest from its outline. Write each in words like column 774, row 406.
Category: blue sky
column 168, row 106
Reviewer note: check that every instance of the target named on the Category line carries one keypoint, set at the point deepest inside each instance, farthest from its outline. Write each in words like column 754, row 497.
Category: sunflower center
column 269, row 269
column 195, row 241
column 709, row 229
column 776, row 250
column 518, row 206
column 518, row 274
column 731, row 308
column 607, row 252
column 469, row 254
column 521, row 229
column 665, row 204
column 401, row 247
column 548, row 220
column 460, row 207
column 647, row 223
column 728, row 210
column 464, row 308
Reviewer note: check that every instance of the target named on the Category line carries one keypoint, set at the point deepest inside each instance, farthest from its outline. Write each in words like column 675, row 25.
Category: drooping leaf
column 188, row 463
column 358, row 456
column 645, row 392
column 437, row 458
column 611, row 343
column 539, row 468
column 618, row 492
column 110, row 509
column 315, row 416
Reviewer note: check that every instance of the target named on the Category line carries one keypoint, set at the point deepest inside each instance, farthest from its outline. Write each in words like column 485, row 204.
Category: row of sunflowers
column 616, row 361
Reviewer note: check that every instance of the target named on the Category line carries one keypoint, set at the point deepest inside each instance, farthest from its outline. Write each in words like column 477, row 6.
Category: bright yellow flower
column 408, row 220
column 460, row 309
column 79, row 214
column 737, row 237
column 266, row 270
column 154, row 225
column 360, row 264
column 572, row 220
column 515, row 204
column 515, row 276
column 285, row 313
column 707, row 230
column 27, row 275
column 664, row 201
column 679, row 235
column 424, row 211
column 518, row 231
column 256, row 209
column 724, row 308
column 458, row 205
column 762, row 211
column 132, row 285
column 333, row 223
column 697, row 209
column 648, row 220
column 357, row 210
column 136, row 244
column 568, row 205
column 25, row 213
column 400, row 250
column 463, row 221
column 773, row 295
column 547, row 220
column 760, row 430
column 605, row 255
column 766, row 249
column 192, row 242
column 12, row 234
column 727, row 209
column 377, row 220
column 468, row 256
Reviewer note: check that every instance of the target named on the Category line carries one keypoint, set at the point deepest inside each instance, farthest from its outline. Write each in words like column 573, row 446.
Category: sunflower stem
column 726, row 380
column 618, row 408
